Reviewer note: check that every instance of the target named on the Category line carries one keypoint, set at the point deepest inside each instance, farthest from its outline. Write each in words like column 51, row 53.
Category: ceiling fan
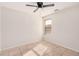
column 39, row 5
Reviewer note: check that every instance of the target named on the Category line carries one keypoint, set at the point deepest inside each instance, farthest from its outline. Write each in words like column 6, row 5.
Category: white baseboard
column 20, row 44
column 55, row 42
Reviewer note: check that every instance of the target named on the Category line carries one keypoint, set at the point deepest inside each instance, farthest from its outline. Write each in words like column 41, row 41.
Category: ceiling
column 41, row 12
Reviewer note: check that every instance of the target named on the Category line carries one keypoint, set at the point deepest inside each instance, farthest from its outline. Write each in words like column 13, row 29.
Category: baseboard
column 55, row 42
column 20, row 45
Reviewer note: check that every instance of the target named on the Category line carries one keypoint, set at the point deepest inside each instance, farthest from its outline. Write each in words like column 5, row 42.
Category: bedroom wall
column 0, row 27
column 65, row 28
column 19, row 28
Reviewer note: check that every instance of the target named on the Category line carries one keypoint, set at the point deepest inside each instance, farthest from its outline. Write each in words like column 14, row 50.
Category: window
column 48, row 22
column 47, row 26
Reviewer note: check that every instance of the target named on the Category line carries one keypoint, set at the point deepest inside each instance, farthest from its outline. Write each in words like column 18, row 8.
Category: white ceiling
column 41, row 12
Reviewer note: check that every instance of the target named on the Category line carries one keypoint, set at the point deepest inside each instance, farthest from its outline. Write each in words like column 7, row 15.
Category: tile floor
column 42, row 48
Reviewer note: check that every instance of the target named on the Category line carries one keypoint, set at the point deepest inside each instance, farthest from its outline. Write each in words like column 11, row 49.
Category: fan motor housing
column 40, row 4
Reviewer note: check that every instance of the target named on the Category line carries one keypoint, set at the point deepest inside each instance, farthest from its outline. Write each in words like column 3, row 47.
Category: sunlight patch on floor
column 30, row 53
column 39, row 49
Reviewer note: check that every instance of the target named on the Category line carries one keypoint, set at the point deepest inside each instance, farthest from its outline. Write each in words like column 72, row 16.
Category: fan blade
column 49, row 5
column 35, row 10
column 31, row 5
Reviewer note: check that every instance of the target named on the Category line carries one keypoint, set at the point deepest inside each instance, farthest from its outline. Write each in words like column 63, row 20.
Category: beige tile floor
column 41, row 48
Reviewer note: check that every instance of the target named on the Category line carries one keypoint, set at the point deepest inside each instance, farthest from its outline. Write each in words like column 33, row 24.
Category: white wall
column 0, row 27
column 19, row 28
column 65, row 28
